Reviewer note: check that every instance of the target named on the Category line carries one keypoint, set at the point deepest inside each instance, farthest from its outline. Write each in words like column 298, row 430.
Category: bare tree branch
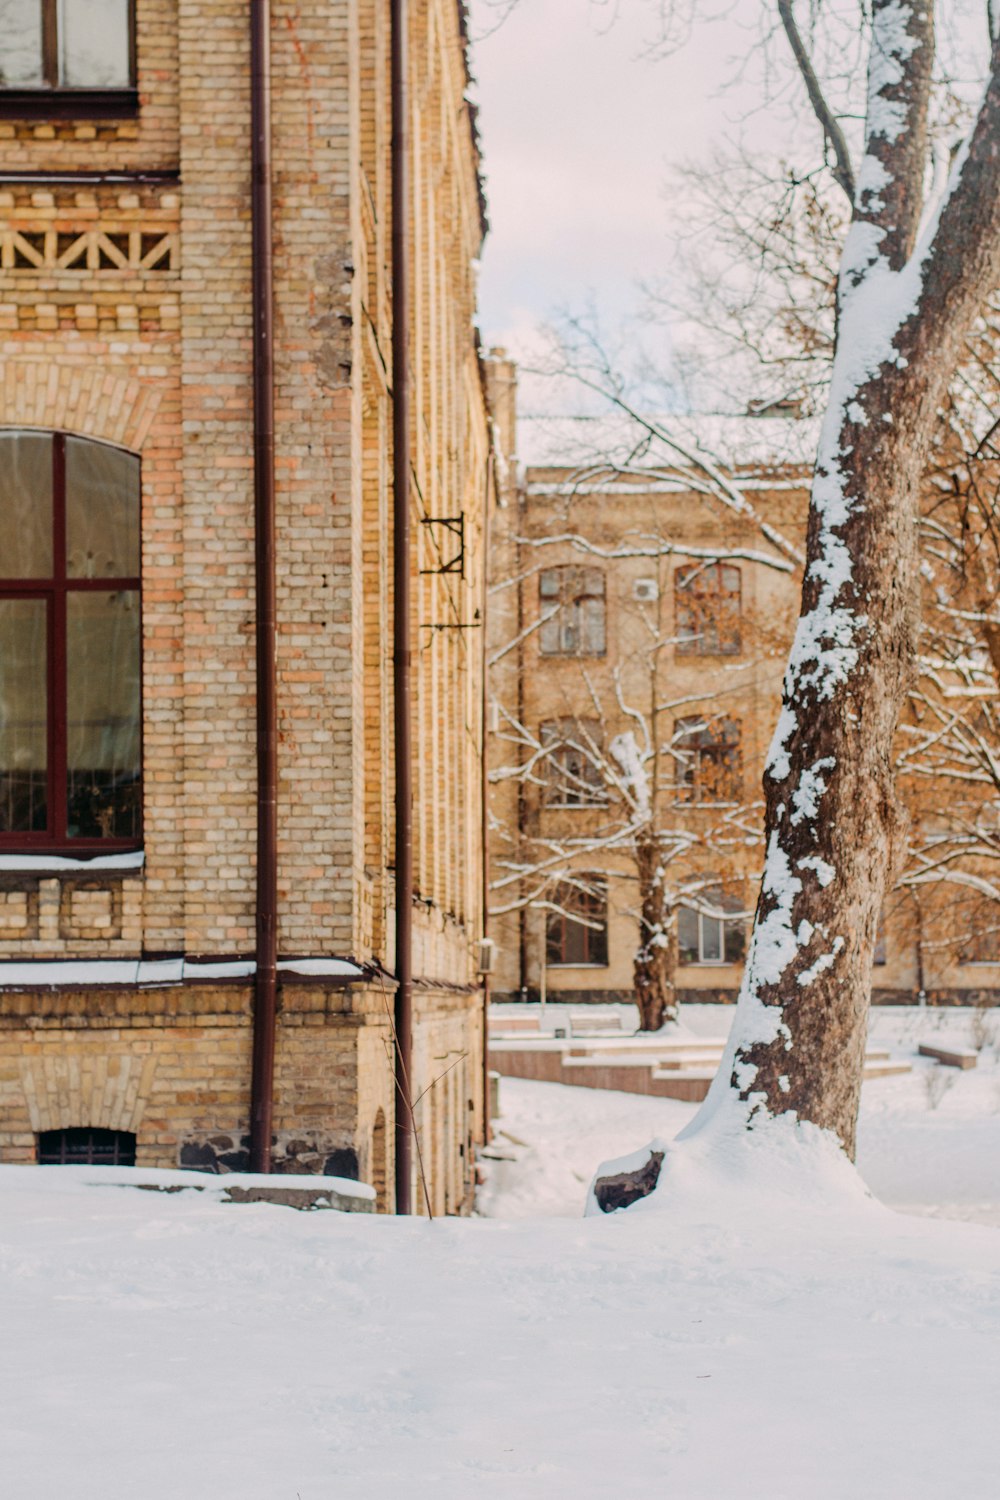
column 842, row 170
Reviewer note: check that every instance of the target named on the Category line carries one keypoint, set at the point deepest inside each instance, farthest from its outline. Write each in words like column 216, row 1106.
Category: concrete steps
column 667, row 1069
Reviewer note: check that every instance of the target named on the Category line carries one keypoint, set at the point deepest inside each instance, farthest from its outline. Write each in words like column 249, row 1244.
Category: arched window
column 70, row 644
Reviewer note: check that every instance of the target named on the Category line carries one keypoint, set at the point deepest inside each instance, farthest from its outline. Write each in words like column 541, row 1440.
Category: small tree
column 623, row 776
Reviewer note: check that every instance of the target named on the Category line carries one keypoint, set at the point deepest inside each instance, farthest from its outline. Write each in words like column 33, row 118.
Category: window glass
column 688, row 938
column 578, row 933
column 708, row 760
column 102, row 714
column 707, row 604
column 735, row 942
column 26, row 504
column 86, row 1147
column 572, row 774
column 102, row 511
column 23, row 715
column 707, row 936
column 94, row 44
column 20, row 43
column 711, row 940
column 577, row 625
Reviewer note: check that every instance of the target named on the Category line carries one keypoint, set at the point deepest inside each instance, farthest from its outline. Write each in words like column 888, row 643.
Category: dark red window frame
column 52, row 100
column 576, row 944
column 54, row 591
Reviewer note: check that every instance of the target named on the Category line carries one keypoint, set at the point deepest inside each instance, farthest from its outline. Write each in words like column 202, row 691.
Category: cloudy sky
column 581, row 126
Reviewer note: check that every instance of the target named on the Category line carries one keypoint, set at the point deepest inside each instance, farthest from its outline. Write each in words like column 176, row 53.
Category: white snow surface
column 161, row 970
column 762, row 1328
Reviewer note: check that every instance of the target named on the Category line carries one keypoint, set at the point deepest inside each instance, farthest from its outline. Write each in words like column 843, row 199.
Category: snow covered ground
column 929, row 1140
column 761, row 1331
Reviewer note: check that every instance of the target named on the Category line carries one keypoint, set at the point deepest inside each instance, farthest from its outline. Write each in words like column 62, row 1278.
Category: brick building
column 129, row 681
column 630, row 593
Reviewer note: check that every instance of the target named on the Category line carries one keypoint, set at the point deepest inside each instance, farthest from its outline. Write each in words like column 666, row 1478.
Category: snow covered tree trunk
column 832, row 824
column 654, row 965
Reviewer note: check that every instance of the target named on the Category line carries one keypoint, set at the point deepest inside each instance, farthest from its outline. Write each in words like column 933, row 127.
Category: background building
column 643, row 599
column 127, row 686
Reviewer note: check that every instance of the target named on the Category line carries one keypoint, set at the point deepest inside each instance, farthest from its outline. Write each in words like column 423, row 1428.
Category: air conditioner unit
column 645, row 590
column 487, row 956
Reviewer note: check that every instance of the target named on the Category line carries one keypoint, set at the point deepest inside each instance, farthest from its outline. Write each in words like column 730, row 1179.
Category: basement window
column 84, row 1147
column 67, row 58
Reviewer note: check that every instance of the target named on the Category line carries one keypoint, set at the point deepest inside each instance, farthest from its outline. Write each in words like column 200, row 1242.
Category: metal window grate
column 84, row 1147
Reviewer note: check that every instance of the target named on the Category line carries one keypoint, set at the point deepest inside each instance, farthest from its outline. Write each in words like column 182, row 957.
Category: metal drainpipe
column 522, row 915
column 401, row 622
column 266, row 978
column 484, row 811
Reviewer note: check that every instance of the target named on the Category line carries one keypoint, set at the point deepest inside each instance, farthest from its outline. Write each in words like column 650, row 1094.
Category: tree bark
column 654, row 965
column 832, row 822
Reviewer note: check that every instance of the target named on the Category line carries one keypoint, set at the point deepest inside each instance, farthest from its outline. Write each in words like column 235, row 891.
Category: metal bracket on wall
column 456, row 526
column 474, row 624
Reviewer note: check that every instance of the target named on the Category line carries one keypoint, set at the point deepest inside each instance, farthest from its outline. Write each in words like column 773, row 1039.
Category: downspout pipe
column 266, row 950
column 484, row 783
column 401, row 602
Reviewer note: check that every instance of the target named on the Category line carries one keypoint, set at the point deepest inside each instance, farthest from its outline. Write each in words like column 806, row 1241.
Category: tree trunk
column 654, row 963
column 832, row 823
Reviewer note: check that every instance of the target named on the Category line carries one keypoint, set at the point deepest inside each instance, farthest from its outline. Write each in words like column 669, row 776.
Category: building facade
column 643, row 600
column 128, row 690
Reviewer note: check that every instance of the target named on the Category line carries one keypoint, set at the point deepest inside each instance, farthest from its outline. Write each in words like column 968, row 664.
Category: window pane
column 20, row 43
column 102, row 511
column 711, row 940
column 94, row 44
column 23, row 716
column 25, row 504
column 103, row 715
column 687, row 935
column 735, row 942
column 592, row 623
column 84, row 1147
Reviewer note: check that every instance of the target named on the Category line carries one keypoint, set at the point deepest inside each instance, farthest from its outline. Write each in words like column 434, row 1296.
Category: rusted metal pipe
column 401, row 619
column 266, row 976
column 484, row 785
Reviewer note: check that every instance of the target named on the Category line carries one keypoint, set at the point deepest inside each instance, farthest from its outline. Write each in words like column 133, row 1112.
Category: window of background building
column 707, row 606
column 708, row 760
column 983, row 945
column 578, row 626
column 70, row 645
column 577, row 934
column 706, row 935
column 66, row 44
column 572, row 772
column 880, row 955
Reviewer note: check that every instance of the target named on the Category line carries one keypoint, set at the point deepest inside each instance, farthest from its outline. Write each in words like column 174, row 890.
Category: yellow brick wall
column 125, row 315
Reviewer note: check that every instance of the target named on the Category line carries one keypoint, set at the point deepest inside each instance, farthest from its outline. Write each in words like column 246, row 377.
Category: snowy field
column 760, row 1330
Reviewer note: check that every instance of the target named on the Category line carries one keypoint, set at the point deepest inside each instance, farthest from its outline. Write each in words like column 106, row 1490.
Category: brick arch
column 83, row 399
column 63, row 1090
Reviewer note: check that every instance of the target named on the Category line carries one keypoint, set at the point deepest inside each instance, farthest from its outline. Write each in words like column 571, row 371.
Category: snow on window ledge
column 27, row 864
column 132, row 971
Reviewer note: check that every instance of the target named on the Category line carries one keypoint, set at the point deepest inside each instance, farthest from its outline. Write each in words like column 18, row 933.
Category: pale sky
column 579, row 131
